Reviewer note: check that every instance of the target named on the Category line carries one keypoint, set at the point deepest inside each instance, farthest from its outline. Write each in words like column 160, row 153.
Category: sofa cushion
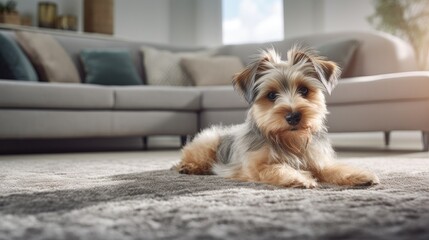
column 149, row 123
column 41, row 95
column 50, row 59
column 381, row 88
column 163, row 67
column 109, row 67
column 221, row 97
column 210, row 71
column 13, row 62
column 157, row 98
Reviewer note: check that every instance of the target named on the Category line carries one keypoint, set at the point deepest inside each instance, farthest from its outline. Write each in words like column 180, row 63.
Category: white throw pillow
column 163, row 67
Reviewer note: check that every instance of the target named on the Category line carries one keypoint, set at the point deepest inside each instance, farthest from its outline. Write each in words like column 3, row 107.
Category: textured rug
column 135, row 196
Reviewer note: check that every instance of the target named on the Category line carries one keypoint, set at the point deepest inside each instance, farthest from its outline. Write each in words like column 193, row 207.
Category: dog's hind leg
column 199, row 156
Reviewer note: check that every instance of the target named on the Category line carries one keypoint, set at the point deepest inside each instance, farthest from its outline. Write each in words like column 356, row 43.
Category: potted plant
column 407, row 19
column 8, row 13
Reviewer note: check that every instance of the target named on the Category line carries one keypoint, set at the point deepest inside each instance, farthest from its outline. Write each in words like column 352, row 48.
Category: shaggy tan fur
column 267, row 147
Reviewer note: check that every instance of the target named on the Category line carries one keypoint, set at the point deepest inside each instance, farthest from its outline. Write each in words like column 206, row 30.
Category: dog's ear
column 244, row 82
column 327, row 72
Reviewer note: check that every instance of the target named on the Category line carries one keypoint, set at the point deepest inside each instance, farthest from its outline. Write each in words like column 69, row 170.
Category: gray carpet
column 135, row 196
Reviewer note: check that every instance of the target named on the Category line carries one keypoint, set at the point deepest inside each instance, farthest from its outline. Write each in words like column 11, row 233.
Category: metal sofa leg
column 145, row 140
column 386, row 138
column 183, row 140
column 425, row 138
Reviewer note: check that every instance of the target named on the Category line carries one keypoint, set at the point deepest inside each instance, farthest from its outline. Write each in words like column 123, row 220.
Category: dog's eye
column 272, row 96
column 303, row 91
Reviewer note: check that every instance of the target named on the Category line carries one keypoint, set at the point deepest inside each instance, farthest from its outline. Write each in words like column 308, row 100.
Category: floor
column 128, row 195
column 346, row 145
column 372, row 144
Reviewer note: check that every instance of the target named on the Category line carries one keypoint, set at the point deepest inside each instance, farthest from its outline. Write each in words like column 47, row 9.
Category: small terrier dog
column 284, row 139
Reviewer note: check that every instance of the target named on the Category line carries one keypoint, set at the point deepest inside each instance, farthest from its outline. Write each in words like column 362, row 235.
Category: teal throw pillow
column 14, row 64
column 109, row 67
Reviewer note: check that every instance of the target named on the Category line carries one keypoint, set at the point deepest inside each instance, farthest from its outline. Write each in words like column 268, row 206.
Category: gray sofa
column 380, row 92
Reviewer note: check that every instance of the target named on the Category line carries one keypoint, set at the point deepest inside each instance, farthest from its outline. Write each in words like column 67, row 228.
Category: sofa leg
column 425, row 138
column 145, row 140
column 183, row 140
column 386, row 138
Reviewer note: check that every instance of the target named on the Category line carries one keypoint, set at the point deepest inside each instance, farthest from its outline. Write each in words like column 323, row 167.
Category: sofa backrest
column 378, row 53
column 74, row 43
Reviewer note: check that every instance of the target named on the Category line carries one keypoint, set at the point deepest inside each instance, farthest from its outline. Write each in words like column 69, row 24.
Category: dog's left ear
column 327, row 72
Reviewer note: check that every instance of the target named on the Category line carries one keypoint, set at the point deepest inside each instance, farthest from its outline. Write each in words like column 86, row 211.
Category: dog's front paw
column 306, row 180
column 362, row 179
column 191, row 169
column 308, row 183
column 183, row 170
column 345, row 175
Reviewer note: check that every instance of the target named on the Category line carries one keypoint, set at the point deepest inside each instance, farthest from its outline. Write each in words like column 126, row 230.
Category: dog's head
column 286, row 97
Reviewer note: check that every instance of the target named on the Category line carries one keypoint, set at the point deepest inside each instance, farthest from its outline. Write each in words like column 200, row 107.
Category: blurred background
column 214, row 22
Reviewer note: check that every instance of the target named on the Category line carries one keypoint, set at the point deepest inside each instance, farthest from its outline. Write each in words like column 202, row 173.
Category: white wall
column 346, row 15
column 199, row 22
column 209, row 22
column 182, row 22
column 318, row 16
column 177, row 22
column 145, row 20
column 302, row 17
column 299, row 17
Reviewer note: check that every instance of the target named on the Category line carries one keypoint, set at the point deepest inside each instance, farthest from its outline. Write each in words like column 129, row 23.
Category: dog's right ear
column 244, row 82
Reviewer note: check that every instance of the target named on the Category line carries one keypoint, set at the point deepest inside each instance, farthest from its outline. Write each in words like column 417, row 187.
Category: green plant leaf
column 406, row 19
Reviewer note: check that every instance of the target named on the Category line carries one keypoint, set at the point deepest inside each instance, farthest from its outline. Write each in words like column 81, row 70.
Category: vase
column 47, row 14
column 67, row 22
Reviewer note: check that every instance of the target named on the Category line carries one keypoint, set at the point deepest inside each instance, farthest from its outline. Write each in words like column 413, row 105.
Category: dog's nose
column 293, row 118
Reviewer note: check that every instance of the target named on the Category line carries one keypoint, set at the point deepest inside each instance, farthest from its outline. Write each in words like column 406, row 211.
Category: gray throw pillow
column 109, row 67
column 339, row 51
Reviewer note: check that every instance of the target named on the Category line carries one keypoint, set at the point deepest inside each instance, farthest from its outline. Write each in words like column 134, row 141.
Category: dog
column 283, row 140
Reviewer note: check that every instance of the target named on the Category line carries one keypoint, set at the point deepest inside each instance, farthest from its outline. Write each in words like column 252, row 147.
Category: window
column 246, row 21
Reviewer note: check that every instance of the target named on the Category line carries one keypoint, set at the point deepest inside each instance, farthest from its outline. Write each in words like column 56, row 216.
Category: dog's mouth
column 299, row 127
